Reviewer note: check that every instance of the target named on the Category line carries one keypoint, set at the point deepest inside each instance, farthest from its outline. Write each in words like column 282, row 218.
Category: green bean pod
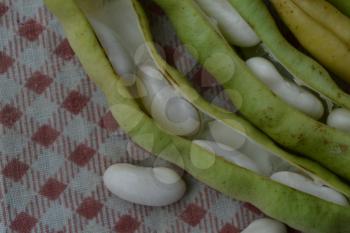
column 236, row 122
column 297, row 209
column 343, row 6
column 258, row 104
column 301, row 66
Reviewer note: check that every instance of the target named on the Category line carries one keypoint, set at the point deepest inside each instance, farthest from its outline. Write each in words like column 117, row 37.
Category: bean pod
column 305, row 212
column 127, row 51
column 310, row 22
column 258, row 104
column 303, row 69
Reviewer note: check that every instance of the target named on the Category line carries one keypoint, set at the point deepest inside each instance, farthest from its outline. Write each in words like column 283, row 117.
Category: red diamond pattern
column 229, row 228
column 75, row 102
column 193, row 214
column 52, row 189
column 108, row 122
column 5, row 62
column 82, row 154
column 9, row 115
column 126, row 224
column 3, row 9
column 64, row 50
column 38, row 82
column 45, row 135
column 31, row 30
column 89, row 208
column 15, row 170
column 23, row 223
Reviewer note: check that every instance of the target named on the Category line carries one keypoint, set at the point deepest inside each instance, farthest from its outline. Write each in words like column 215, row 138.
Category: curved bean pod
column 306, row 213
column 294, row 95
column 229, row 127
column 322, row 43
column 284, row 124
column 302, row 67
column 171, row 111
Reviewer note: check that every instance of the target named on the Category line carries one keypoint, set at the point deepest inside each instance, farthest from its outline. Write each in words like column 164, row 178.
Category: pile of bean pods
column 286, row 150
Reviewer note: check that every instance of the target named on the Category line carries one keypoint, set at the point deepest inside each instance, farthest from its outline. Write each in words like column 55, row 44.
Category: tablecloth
column 57, row 137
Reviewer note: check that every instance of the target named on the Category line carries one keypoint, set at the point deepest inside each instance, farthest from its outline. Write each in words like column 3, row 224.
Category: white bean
column 229, row 154
column 306, row 185
column 172, row 112
column 265, row 225
column 235, row 29
column 158, row 186
column 224, row 134
column 294, row 95
column 340, row 119
column 221, row 133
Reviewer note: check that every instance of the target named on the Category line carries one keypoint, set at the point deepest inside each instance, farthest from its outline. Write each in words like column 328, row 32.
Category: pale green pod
column 256, row 143
column 127, row 51
column 297, row 209
column 284, row 124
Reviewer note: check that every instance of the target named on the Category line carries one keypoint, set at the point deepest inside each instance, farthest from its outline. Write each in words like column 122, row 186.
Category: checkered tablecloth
column 57, row 137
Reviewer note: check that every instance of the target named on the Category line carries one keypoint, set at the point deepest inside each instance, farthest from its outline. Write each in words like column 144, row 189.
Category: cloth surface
column 57, row 137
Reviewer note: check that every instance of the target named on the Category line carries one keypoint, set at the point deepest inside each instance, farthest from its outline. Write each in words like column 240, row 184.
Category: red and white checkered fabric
column 57, row 137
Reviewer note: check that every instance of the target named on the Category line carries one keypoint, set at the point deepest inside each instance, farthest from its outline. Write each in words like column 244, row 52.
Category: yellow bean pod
column 321, row 29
